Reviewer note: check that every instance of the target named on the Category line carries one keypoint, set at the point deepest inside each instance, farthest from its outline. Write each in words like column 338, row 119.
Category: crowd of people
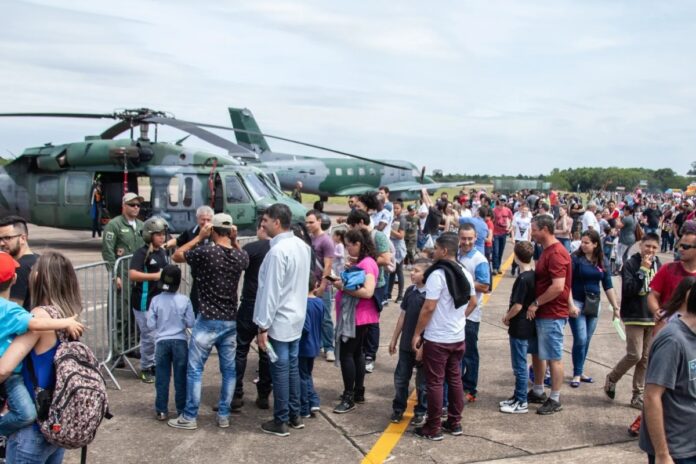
column 308, row 291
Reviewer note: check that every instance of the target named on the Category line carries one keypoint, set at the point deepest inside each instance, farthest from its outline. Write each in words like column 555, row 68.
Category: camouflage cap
column 130, row 196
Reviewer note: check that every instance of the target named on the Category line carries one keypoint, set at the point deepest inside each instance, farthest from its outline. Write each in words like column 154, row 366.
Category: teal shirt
column 382, row 246
column 14, row 320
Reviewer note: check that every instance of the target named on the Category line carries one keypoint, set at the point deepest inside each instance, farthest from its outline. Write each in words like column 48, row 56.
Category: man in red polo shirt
column 550, row 310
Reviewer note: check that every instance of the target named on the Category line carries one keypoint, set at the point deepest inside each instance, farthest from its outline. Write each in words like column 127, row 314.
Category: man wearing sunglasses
column 14, row 240
column 122, row 236
column 668, row 277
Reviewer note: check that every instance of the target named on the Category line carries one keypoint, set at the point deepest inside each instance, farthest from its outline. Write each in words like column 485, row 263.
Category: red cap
column 8, row 267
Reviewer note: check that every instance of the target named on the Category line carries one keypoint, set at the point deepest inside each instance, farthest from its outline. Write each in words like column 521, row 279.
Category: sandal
column 574, row 384
column 586, row 379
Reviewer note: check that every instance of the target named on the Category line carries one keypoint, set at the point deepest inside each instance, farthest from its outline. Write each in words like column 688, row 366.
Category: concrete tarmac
column 590, row 429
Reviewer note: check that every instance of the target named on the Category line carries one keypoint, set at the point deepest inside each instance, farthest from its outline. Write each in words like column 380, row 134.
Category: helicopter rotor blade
column 196, row 130
column 311, row 145
column 61, row 115
column 115, row 130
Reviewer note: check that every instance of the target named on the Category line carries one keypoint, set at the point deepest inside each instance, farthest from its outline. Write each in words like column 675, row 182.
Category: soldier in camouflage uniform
column 122, row 236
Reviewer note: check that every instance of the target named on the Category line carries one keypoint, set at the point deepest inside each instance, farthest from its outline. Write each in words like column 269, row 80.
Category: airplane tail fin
column 243, row 119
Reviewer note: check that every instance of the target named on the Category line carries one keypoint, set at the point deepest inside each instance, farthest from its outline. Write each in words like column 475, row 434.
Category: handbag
column 591, row 307
column 592, row 302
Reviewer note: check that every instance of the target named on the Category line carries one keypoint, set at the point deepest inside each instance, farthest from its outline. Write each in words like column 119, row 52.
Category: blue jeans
column 308, row 396
column 402, row 379
column 518, row 357
column 28, row 446
column 498, row 249
column 470, row 360
column 327, row 326
column 206, row 334
column 583, row 328
column 285, row 374
column 22, row 410
column 170, row 355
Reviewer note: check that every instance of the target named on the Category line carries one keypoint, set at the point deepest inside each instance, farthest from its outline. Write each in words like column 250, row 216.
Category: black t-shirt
column 524, row 294
column 411, row 304
column 20, row 290
column 257, row 251
column 432, row 222
column 679, row 220
column 218, row 270
column 653, row 217
column 143, row 292
column 188, row 235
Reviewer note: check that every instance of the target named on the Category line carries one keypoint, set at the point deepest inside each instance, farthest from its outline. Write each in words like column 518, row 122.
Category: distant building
column 513, row 185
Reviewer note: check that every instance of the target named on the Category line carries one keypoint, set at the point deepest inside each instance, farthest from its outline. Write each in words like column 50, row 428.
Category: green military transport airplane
column 52, row 185
column 330, row 176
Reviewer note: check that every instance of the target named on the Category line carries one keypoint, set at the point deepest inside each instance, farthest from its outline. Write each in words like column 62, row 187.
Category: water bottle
column 272, row 356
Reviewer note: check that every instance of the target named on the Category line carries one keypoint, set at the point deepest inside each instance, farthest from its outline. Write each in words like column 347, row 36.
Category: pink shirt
column 366, row 310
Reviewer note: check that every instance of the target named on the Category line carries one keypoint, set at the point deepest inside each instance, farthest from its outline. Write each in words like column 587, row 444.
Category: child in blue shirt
column 169, row 315
column 310, row 343
column 17, row 409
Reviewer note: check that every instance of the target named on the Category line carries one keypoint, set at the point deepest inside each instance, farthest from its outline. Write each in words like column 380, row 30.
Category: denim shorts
column 550, row 338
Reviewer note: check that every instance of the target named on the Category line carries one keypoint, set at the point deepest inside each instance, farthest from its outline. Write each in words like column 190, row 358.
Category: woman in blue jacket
column 589, row 271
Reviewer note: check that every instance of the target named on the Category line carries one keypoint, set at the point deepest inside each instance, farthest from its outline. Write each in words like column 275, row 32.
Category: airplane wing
column 355, row 189
column 417, row 186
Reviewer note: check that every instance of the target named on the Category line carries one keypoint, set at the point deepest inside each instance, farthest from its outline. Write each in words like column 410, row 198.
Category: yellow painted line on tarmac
column 393, row 433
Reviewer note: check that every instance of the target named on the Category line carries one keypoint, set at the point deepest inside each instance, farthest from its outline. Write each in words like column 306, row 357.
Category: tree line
column 594, row 178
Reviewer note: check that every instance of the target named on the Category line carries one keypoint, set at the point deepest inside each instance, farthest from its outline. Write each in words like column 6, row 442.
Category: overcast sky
column 487, row 86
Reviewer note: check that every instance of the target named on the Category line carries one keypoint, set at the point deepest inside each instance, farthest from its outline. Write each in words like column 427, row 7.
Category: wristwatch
column 536, row 303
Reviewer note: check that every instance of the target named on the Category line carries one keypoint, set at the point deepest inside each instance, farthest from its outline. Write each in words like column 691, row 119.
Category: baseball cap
column 222, row 220
column 170, row 278
column 8, row 267
column 130, row 196
column 411, row 207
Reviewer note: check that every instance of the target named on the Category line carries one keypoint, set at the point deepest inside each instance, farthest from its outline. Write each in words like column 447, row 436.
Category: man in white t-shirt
column 521, row 228
column 450, row 296
column 589, row 218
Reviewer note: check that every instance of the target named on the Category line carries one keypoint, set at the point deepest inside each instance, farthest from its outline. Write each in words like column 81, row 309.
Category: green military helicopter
column 52, row 185
column 330, row 176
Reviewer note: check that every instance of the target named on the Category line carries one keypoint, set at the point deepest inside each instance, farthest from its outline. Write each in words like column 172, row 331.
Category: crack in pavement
column 574, row 448
column 344, row 433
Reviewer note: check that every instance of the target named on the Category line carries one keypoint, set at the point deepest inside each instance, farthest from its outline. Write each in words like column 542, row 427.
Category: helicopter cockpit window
column 234, row 191
column 350, row 172
column 339, row 171
column 361, row 172
column 188, row 191
column 256, row 187
column 271, row 185
column 47, row 189
column 78, row 187
column 373, row 172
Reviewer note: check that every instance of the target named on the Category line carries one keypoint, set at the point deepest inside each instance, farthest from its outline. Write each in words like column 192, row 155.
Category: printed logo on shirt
column 692, row 369
column 153, row 261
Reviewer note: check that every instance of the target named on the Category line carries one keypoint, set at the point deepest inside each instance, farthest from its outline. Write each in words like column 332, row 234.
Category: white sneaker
column 369, row 367
column 507, row 402
column 223, row 422
column 515, row 408
column 181, row 423
column 330, row 356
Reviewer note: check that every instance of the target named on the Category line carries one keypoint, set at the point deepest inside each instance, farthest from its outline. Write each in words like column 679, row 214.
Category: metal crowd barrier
column 94, row 280
column 121, row 336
